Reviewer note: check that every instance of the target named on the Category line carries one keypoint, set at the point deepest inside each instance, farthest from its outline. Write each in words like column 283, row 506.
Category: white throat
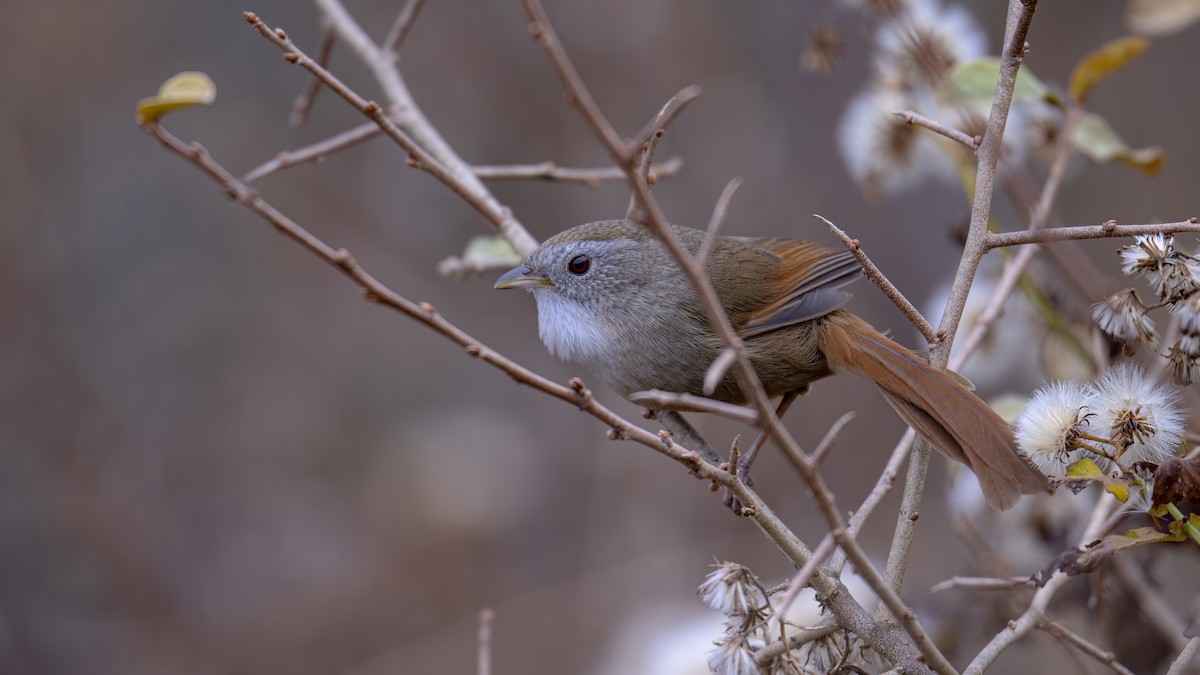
column 571, row 330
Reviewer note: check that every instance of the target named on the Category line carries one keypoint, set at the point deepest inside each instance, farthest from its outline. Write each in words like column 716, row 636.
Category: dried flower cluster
column 1175, row 277
column 1123, row 417
column 753, row 623
column 916, row 47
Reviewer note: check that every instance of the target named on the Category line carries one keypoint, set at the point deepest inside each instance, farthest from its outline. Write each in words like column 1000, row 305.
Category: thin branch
column 1035, row 613
column 667, row 114
column 956, row 135
column 486, row 618
column 1015, row 266
column 576, row 393
column 717, row 369
column 719, row 215
column 305, row 99
column 591, row 177
column 683, row 402
column 575, row 91
column 1154, row 606
column 405, row 123
column 889, row 289
column 315, row 152
column 1084, row 645
column 846, row 610
column 830, row 438
column 646, row 148
column 1185, row 658
column 402, row 27
column 795, row 640
column 884, row 485
column 823, row 550
column 983, row 584
column 1108, row 229
column 1020, row 15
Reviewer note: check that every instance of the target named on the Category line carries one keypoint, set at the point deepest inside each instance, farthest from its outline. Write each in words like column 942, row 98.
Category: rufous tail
column 937, row 404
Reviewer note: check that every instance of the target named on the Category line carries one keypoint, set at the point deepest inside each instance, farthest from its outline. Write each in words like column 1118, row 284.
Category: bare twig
column 402, row 27
column 800, row 581
column 1084, row 645
column 315, row 152
column 1154, row 606
column 591, row 177
column 1020, row 15
column 719, row 215
column 844, row 608
column 667, row 114
column 983, row 584
column 830, row 438
column 682, row 402
column 717, row 369
column 404, row 123
column 956, row 135
column 305, row 99
column 1035, row 613
column 1185, row 658
column 1109, row 229
column 887, row 480
column 647, row 146
column 576, row 393
column 1015, row 266
column 889, row 289
column 796, row 640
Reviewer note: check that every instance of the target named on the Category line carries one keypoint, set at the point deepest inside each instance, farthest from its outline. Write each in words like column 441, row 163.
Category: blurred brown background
column 215, row 458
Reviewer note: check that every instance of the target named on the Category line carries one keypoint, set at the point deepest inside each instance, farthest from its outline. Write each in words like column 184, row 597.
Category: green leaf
column 182, row 91
column 1098, row 65
column 972, row 84
column 1161, row 17
column 1096, row 139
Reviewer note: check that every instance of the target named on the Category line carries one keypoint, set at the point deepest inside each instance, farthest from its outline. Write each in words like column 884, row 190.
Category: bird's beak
column 521, row 276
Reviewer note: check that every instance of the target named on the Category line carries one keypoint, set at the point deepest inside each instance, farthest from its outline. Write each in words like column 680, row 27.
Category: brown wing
column 809, row 285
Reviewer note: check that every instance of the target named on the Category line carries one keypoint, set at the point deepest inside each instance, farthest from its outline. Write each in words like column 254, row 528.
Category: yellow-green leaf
column 972, row 84
column 1161, row 17
column 483, row 252
column 182, row 91
column 1082, row 473
column 1098, row 141
column 1084, row 468
column 1098, row 65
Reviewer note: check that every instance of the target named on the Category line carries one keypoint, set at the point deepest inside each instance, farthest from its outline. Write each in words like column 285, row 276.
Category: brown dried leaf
column 1082, row 561
column 1176, row 480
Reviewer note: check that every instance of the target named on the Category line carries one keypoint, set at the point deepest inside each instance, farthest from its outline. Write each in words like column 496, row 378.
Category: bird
column 611, row 298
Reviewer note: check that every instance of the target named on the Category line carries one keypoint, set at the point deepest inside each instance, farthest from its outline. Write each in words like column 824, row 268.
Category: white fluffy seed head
column 1139, row 412
column 1051, row 424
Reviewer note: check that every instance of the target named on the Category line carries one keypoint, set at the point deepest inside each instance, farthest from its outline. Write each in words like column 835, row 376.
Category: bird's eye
column 579, row 265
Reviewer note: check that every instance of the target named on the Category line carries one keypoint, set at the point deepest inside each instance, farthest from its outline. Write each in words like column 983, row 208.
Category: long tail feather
column 939, row 406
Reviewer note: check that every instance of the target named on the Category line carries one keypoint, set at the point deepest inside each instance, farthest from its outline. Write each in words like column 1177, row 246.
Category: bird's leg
column 686, row 435
column 747, row 458
column 742, row 468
